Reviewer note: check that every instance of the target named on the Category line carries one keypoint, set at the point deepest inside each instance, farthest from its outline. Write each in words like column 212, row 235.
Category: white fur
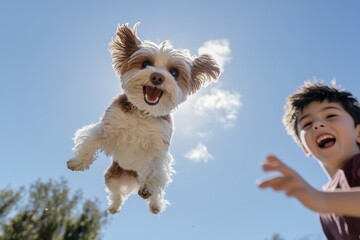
column 136, row 143
column 134, row 133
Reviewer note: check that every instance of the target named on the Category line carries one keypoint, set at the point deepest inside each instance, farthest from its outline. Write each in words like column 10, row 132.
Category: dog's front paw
column 144, row 192
column 114, row 203
column 76, row 165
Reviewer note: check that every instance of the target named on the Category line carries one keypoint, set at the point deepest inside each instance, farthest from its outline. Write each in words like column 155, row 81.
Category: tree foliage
column 48, row 211
column 276, row 236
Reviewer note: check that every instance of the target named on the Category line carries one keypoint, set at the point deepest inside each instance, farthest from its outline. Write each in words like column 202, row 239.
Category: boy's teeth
column 323, row 138
column 325, row 141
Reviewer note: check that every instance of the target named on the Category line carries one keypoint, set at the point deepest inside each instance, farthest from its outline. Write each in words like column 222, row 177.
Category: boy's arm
column 342, row 202
column 339, row 202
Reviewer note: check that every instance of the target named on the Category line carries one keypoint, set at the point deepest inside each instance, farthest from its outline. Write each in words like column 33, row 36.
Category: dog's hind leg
column 120, row 183
column 157, row 180
column 156, row 201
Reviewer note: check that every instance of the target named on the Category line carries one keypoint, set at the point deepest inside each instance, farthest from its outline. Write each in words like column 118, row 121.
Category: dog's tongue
column 152, row 93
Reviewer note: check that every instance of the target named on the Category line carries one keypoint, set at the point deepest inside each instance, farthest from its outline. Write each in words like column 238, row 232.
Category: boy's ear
column 357, row 131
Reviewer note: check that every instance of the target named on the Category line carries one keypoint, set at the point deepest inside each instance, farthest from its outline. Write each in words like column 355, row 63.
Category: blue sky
column 56, row 76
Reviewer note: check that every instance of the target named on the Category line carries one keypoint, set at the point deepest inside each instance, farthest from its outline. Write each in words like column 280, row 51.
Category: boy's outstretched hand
column 290, row 182
column 341, row 202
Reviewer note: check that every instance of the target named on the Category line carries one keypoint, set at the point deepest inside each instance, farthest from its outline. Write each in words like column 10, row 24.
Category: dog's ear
column 204, row 70
column 125, row 43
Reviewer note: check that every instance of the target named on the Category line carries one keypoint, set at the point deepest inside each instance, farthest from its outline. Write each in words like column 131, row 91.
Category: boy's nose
column 318, row 124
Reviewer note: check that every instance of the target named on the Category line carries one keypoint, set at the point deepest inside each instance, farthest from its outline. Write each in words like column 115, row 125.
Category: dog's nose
column 156, row 78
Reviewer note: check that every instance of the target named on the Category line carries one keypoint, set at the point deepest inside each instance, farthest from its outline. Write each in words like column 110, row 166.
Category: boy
column 325, row 121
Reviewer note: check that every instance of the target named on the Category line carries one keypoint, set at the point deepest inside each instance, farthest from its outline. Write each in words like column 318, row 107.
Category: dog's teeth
column 152, row 95
column 149, row 100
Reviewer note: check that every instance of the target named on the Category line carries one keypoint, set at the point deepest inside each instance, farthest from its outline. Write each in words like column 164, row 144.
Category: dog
column 135, row 130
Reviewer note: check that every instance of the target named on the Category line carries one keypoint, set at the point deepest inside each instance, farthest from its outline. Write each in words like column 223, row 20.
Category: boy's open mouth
column 152, row 95
column 325, row 141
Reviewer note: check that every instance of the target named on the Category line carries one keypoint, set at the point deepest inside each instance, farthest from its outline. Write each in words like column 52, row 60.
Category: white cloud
column 222, row 105
column 218, row 105
column 219, row 49
column 199, row 154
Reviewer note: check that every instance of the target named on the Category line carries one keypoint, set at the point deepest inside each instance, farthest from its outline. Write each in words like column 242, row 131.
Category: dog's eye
column 145, row 64
column 174, row 72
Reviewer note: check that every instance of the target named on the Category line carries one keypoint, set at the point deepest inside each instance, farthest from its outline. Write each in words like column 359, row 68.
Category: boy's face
column 327, row 132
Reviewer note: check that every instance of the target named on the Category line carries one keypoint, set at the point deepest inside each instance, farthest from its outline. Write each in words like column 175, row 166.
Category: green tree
column 47, row 211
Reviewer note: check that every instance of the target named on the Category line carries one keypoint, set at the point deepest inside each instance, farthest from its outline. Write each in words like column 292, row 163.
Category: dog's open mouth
column 152, row 95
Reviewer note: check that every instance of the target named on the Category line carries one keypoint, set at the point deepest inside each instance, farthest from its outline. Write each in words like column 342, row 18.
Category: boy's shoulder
column 348, row 176
column 352, row 171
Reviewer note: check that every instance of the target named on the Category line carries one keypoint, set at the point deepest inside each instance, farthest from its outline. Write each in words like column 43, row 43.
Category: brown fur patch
column 137, row 61
column 184, row 75
column 122, row 102
column 205, row 69
column 115, row 171
column 127, row 107
column 167, row 118
column 123, row 46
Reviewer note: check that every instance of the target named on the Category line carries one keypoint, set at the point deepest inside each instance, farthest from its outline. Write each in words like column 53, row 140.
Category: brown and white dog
column 136, row 128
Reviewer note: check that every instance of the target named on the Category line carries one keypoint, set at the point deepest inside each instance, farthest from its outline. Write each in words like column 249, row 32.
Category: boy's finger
column 272, row 159
column 274, row 183
column 275, row 160
column 279, row 166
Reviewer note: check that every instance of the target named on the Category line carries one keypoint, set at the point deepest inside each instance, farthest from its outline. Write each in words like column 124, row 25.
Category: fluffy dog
column 136, row 128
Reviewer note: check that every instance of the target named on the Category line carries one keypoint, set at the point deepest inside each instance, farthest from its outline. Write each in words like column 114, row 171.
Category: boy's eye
column 307, row 125
column 145, row 64
column 331, row 116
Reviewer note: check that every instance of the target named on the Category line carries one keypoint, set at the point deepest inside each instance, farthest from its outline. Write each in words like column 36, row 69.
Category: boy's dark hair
column 315, row 91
